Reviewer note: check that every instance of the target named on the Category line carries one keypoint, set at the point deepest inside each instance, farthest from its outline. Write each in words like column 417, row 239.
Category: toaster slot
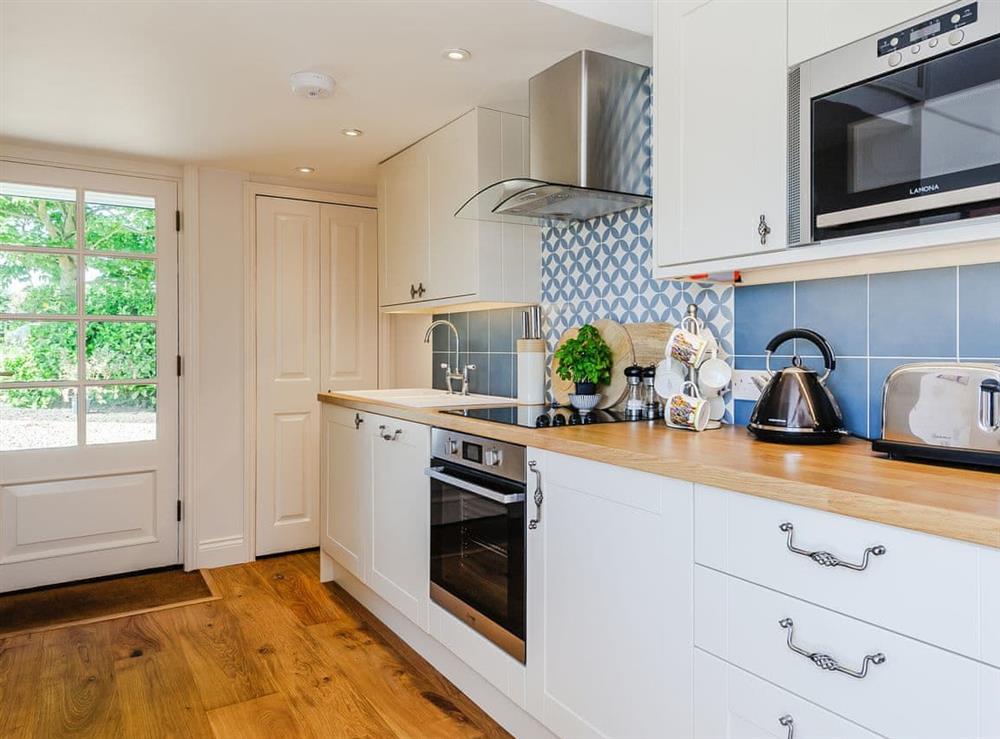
column 989, row 405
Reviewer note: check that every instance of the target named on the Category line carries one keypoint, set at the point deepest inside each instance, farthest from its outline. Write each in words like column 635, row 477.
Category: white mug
column 714, row 375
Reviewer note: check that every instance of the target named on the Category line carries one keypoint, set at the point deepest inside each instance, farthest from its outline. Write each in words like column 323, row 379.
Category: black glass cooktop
column 539, row 416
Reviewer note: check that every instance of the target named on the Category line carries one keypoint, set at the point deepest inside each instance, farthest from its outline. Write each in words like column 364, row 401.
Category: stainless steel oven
column 477, row 553
column 899, row 129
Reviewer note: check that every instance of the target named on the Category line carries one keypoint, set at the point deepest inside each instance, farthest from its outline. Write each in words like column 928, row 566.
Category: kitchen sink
column 426, row 397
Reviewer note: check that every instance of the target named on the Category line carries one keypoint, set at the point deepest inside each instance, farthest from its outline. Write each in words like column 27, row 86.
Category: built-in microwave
column 898, row 130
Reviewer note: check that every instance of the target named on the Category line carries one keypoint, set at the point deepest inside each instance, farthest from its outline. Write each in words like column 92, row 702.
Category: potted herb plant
column 585, row 360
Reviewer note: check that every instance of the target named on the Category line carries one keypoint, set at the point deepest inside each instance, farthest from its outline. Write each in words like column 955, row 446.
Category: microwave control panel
column 929, row 30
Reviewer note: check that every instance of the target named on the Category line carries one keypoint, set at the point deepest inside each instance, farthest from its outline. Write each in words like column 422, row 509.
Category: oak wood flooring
column 279, row 655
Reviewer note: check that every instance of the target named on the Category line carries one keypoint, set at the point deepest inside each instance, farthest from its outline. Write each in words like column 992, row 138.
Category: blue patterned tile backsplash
column 874, row 323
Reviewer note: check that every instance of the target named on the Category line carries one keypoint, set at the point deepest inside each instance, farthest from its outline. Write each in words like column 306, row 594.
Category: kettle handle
column 829, row 358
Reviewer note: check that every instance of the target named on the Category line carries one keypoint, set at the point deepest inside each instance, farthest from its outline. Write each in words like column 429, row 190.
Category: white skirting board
column 504, row 711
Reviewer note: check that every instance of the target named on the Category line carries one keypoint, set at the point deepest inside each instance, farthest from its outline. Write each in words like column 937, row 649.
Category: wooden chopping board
column 617, row 337
column 649, row 341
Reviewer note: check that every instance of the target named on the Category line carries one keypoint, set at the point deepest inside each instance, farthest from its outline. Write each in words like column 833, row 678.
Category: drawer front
column 414, row 433
column 916, row 691
column 730, row 703
column 923, row 586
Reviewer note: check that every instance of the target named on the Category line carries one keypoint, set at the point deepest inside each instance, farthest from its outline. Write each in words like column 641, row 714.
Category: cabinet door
column 402, row 195
column 815, row 28
column 721, row 129
column 345, row 482
column 399, row 565
column 452, row 242
column 609, row 601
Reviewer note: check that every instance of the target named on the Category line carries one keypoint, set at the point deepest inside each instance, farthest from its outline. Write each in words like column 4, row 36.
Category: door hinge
column 179, row 508
column 180, row 365
column 177, row 220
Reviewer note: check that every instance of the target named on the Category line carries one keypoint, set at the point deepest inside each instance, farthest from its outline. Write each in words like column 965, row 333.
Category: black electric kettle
column 795, row 406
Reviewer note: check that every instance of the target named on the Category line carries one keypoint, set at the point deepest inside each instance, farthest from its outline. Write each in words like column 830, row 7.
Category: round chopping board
column 616, row 337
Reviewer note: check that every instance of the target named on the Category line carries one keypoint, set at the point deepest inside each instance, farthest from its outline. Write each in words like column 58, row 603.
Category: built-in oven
column 477, row 492
column 899, row 129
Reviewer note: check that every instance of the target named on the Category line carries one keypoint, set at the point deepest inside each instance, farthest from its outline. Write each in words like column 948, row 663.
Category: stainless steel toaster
column 947, row 411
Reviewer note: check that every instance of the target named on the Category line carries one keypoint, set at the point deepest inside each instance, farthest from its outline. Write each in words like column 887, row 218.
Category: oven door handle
column 438, row 473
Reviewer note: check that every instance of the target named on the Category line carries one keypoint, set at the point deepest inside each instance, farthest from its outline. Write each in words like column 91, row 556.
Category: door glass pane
column 121, row 413
column 37, row 283
column 120, row 287
column 37, row 350
column 37, row 418
column 119, row 350
column 120, row 222
column 37, row 216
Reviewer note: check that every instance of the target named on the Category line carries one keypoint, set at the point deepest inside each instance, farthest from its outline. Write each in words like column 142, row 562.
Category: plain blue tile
column 913, row 314
column 837, row 309
column 502, row 375
column 741, row 411
column 979, row 310
column 479, row 378
column 441, row 339
column 849, row 385
column 501, row 331
column 461, row 321
column 479, row 331
column 760, row 312
column 438, row 372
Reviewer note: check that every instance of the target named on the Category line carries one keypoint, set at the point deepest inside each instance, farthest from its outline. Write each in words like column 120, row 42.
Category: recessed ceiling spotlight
column 305, row 170
column 457, row 55
column 312, row 85
column 352, row 132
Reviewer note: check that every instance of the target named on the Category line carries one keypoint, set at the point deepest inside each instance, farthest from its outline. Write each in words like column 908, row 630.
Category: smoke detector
column 312, row 85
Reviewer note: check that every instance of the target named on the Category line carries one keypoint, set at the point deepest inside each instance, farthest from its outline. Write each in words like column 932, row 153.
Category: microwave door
column 919, row 141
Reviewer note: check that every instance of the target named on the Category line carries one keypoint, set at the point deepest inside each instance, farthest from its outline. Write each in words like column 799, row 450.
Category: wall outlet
column 743, row 384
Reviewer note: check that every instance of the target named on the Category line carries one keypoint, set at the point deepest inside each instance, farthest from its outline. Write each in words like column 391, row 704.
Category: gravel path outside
column 39, row 428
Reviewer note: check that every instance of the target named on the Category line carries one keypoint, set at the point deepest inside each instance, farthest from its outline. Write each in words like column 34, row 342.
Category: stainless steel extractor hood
column 589, row 145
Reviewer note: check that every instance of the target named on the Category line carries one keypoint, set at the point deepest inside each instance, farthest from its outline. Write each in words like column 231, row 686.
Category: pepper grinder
column 634, row 403
column 652, row 409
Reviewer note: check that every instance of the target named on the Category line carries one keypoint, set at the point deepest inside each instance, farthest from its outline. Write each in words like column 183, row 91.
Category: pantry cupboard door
column 88, row 378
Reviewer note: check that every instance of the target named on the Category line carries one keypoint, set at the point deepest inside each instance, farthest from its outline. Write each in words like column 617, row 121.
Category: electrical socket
column 743, row 384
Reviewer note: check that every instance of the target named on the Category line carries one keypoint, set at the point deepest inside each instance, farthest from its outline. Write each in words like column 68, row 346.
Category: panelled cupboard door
column 720, row 96
column 403, row 197
column 609, row 601
column 815, row 28
column 288, row 374
column 732, row 704
column 398, row 567
column 451, row 179
column 349, row 297
column 345, row 473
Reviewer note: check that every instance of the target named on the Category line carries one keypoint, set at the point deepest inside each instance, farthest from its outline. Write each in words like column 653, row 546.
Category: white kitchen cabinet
column 609, row 601
column 732, row 704
column 398, row 564
column 345, row 484
column 720, row 93
column 430, row 258
column 815, row 28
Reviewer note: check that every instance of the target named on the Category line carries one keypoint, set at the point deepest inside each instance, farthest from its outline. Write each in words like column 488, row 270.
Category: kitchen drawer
column 730, row 703
column 917, row 691
column 922, row 586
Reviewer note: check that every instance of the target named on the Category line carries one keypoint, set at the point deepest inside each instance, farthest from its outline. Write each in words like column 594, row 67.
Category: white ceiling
column 207, row 81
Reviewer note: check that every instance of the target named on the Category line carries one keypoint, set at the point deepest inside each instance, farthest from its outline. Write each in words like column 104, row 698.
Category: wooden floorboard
column 279, row 655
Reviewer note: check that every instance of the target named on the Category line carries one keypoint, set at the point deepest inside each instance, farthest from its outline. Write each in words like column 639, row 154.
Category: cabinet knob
column 763, row 229
column 413, row 291
column 421, row 290
column 358, row 420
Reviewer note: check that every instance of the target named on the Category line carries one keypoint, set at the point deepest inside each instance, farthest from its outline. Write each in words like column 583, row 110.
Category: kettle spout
column 760, row 381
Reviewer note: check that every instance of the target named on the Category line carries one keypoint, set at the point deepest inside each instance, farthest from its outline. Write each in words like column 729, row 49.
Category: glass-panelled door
column 88, row 380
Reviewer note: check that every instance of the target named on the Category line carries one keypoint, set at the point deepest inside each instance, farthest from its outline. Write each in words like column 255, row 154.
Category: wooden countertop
column 844, row 478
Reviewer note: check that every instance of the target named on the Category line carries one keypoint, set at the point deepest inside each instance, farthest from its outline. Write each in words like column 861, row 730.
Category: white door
column 316, row 330
column 88, row 380
column 609, row 601
column 345, row 471
column 399, row 562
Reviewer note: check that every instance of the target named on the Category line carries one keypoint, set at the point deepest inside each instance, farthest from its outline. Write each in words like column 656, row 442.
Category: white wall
column 219, row 516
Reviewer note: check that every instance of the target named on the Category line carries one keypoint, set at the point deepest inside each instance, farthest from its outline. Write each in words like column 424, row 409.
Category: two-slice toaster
column 944, row 411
